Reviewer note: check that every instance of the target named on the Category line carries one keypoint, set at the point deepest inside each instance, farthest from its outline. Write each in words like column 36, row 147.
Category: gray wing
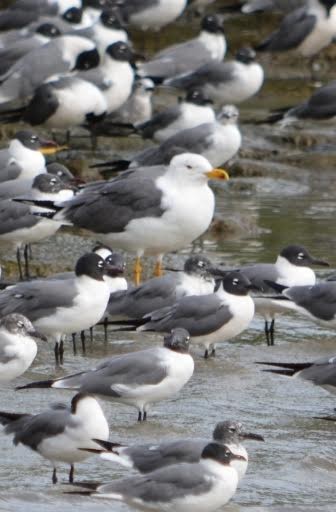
column 177, row 59
column 129, row 370
column 163, row 485
column 14, row 188
column 149, row 457
column 10, row 171
column 193, row 140
column 15, row 216
column 10, row 55
column 4, row 346
column 212, row 72
column 158, row 122
column 96, row 77
column 319, row 300
column 321, row 105
column 155, row 293
column 37, row 299
column 200, row 315
column 322, row 372
column 109, row 207
column 32, row 430
column 293, row 29
column 257, row 274
column 33, row 69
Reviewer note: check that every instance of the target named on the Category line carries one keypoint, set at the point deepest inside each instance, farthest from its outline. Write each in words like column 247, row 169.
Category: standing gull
column 150, row 14
column 202, row 486
column 138, row 378
column 152, row 456
column 58, row 433
column 148, row 214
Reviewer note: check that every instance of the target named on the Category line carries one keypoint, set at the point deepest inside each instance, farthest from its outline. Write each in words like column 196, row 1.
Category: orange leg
column 158, row 269
column 137, row 271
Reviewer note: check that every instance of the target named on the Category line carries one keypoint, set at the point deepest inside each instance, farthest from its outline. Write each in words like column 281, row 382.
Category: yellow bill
column 218, row 174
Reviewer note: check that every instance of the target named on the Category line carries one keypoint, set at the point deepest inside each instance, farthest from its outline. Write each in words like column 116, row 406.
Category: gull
column 210, row 319
column 19, row 223
column 307, row 29
column 61, row 55
column 217, row 141
column 321, row 372
column 206, row 485
column 194, row 110
column 24, row 157
column 158, row 292
column 138, row 378
column 17, row 346
column 269, row 5
column 292, row 267
column 60, row 307
column 151, row 14
column 232, row 81
column 145, row 213
column 152, row 456
column 58, row 432
column 209, row 45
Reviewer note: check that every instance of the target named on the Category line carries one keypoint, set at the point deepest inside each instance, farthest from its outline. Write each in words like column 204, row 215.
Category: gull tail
column 112, row 165
column 6, row 418
column 90, row 488
column 107, row 445
column 129, row 325
column 51, row 208
column 327, row 418
column 279, row 288
column 288, row 369
column 37, row 384
column 108, row 128
column 12, row 116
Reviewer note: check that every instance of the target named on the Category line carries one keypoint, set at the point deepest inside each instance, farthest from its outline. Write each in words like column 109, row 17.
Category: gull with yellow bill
column 147, row 212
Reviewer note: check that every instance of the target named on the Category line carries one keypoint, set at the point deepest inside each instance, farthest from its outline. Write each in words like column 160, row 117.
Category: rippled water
column 282, row 192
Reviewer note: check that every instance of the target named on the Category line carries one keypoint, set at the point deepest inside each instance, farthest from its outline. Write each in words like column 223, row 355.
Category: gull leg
column 91, row 334
column 268, row 340
column 158, row 268
column 137, row 271
column 61, row 352
column 82, row 335
column 213, row 351
column 144, row 416
column 272, row 332
column 54, row 477
column 56, row 352
column 139, row 416
column 26, row 260
column 206, row 354
column 71, row 474
column 18, row 259
column 105, row 328
column 73, row 335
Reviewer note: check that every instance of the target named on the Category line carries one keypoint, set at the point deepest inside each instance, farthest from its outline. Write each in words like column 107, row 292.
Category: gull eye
column 189, row 166
column 53, row 181
column 300, row 256
column 20, row 324
column 235, row 281
column 101, row 264
column 33, row 138
column 232, row 429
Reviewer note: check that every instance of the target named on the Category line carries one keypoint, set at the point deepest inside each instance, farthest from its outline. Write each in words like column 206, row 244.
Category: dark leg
column 144, row 416
column 272, row 331
column 139, row 416
column 73, row 335
column 18, row 259
column 268, row 341
column 26, row 260
column 105, row 329
column 54, row 477
column 206, row 354
column 61, row 352
column 30, row 252
column 56, row 352
column 213, row 352
column 91, row 334
column 71, row 474
column 82, row 336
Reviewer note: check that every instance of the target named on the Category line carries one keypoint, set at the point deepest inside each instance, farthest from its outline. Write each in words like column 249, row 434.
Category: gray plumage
column 109, row 207
column 294, row 28
column 212, row 72
column 318, row 300
column 199, row 315
column 15, row 216
column 259, row 274
column 271, row 5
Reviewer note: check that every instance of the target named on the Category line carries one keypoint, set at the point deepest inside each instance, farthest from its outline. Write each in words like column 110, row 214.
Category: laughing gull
column 206, row 485
column 57, row 433
column 210, row 319
column 307, row 29
column 292, row 268
column 138, row 379
column 61, row 172
column 152, row 456
column 225, row 82
column 320, row 106
column 321, row 372
column 217, row 141
column 188, row 113
column 150, row 14
column 59, row 307
column 60, row 55
column 145, row 213
column 43, row 34
column 159, row 292
column 58, row 104
column 317, row 302
column 188, row 56
column 24, row 157
column 19, row 224
column 17, row 346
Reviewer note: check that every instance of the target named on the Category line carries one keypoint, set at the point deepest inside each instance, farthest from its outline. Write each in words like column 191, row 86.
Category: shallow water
column 282, row 192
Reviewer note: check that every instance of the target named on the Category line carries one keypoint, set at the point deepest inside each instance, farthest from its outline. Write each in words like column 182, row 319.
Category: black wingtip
column 107, row 445
column 326, row 418
column 276, row 287
column 38, row 384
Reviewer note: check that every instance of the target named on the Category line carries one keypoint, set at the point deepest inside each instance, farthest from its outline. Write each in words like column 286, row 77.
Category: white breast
column 158, row 15
column 226, row 142
column 214, row 43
